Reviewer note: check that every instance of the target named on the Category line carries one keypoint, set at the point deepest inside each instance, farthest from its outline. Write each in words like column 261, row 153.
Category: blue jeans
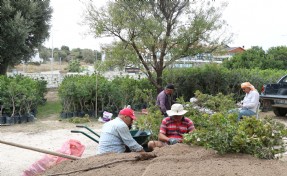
column 242, row 112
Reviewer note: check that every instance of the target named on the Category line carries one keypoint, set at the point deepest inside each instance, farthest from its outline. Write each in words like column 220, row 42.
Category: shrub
column 217, row 103
column 74, row 66
column 21, row 95
column 151, row 121
column 221, row 132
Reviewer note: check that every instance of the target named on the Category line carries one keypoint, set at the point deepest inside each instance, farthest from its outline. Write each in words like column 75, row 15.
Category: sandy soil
column 43, row 134
column 173, row 160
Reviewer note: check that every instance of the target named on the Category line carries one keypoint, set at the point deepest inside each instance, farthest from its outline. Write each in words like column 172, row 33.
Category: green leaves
column 221, row 132
column 256, row 57
column 212, row 79
column 151, row 121
column 21, row 94
column 91, row 93
column 217, row 103
column 24, row 25
column 74, row 66
column 152, row 35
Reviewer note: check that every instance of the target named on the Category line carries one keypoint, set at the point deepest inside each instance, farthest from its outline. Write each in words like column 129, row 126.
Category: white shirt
column 114, row 136
column 251, row 100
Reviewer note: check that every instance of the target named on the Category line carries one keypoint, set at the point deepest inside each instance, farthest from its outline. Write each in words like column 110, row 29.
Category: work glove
column 172, row 141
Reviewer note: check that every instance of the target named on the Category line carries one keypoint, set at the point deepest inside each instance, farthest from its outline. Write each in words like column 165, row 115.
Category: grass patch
column 49, row 108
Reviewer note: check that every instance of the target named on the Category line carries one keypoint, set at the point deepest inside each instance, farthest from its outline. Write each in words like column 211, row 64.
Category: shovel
column 40, row 150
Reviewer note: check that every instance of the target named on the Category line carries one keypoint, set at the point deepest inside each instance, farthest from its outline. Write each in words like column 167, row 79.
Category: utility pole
column 52, row 56
column 96, row 112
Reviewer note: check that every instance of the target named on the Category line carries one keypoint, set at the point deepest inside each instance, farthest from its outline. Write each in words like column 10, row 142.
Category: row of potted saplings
column 72, row 108
column 8, row 117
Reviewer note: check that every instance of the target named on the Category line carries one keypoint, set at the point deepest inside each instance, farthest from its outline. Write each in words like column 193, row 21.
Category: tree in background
column 64, row 53
column 256, row 57
column 91, row 56
column 83, row 55
column 44, row 53
column 154, row 34
column 24, row 27
column 279, row 54
column 251, row 58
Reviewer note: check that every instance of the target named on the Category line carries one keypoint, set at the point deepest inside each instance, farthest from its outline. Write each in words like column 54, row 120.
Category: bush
column 217, row 103
column 74, row 66
column 213, row 79
column 151, row 121
column 221, row 132
column 21, row 95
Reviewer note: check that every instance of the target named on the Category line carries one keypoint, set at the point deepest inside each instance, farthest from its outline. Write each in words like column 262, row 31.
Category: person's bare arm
column 163, row 137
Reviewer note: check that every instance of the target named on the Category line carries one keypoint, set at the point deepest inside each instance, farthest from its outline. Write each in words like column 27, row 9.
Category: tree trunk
column 159, row 80
column 3, row 68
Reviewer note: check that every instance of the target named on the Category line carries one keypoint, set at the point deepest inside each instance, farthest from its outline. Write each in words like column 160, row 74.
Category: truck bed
column 274, row 96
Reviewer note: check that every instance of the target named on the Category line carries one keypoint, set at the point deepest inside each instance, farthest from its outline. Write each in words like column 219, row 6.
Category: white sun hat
column 176, row 109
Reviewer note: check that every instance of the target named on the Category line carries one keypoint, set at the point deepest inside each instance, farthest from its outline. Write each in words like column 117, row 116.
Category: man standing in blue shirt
column 115, row 135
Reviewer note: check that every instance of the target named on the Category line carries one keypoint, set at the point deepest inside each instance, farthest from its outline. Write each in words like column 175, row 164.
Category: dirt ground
column 173, row 160
column 179, row 159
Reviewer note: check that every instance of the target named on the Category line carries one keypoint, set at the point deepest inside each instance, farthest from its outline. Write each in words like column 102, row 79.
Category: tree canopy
column 24, row 26
column 256, row 57
column 154, row 34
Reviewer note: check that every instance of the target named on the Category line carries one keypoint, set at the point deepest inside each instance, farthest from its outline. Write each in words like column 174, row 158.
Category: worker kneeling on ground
column 173, row 127
column 115, row 135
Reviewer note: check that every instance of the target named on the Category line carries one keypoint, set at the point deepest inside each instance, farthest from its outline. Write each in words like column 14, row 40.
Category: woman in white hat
column 173, row 127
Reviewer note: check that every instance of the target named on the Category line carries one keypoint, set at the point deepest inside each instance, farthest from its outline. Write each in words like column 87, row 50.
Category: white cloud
column 257, row 23
column 67, row 28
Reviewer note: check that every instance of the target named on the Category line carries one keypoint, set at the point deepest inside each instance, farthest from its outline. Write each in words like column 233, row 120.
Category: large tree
column 154, row 34
column 24, row 26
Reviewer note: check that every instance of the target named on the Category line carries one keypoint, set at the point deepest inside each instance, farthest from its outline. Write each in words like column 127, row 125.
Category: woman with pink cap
column 250, row 102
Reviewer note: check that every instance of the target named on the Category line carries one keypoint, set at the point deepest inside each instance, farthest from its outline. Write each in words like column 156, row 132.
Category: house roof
column 232, row 50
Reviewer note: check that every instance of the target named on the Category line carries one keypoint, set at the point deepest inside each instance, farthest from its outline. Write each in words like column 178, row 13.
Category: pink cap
column 128, row 112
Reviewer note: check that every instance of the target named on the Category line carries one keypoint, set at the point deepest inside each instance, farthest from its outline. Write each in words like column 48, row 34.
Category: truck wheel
column 266, row 105
column 280, row 111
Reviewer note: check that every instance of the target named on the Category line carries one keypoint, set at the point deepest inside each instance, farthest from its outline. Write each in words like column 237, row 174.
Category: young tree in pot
column 66, row 93
column 11, row 99
column 81, row 94
column 2, row 90
column 32, row 98
column 89, row 102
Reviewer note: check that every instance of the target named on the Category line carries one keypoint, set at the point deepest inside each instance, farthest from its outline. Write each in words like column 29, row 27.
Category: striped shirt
column 114, row 136
column 173, row 129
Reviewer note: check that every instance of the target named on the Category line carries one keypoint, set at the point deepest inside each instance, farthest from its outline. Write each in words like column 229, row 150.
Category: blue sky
column 253, row 22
